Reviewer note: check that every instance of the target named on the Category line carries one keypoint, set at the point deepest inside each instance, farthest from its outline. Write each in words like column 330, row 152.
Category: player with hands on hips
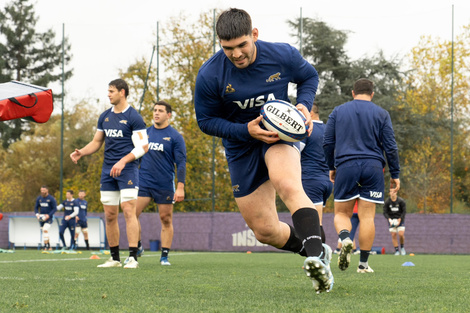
column 71, row 207
column 123, row 131
column 231, row 88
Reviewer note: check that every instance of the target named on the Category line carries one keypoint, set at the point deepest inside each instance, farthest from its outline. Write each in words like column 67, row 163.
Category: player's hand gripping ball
column 42, row 217
column 394, row 222
column 284, row 118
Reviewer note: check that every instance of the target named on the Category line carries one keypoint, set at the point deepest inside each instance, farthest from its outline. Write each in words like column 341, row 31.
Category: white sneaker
column 319, row 273
column 345, row 254
column 397, row 253
column 132, row 263
column 403, row 251
column 164, row 261
column 110, row 263
column 361, row 269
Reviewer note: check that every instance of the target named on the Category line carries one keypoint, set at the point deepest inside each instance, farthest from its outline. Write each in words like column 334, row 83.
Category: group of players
column 75, row 214
column 230, row 88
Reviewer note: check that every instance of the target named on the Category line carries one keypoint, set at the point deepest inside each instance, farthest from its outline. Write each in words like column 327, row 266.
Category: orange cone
column 95, row 257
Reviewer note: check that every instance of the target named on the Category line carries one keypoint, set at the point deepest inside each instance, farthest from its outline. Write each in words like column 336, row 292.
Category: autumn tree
column 428, row 94
column 27, row 55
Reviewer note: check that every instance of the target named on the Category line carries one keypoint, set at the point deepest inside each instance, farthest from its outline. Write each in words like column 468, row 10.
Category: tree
column 191, row 47
column 28, row 56
column 428, row 95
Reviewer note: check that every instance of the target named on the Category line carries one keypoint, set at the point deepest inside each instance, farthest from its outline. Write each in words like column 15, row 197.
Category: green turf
column 229, row 282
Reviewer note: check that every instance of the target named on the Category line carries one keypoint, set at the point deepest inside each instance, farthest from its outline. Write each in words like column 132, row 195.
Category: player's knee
column 110, row 197
column 129, row 194
column 85, row 231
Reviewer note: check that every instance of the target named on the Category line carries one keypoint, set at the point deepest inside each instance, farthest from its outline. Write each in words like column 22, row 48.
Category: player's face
column 69, row 196
column 160, row 115
column 242, row 50
column 81, row 195
column 114, row 95
column 44, row 192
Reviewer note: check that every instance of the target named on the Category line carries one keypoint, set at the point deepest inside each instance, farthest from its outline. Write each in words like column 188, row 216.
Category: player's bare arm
column 257, row 132
column 90, row 148
column 309, row 122
column 141, row 147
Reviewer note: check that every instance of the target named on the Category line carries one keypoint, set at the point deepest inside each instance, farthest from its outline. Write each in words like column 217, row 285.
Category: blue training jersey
column 312, row 159
column 118, row 128
column 83, row 207
column 69, row 207
column 227, row 98
column 157, row 167
column 46, row 205
column 360, row 129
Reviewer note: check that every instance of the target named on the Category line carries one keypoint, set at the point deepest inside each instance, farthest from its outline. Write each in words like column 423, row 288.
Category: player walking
column 357, row 135
column 230, row 89
column 45, row 207
column 157, row 173
column 315, row 175
column 122, row 130
column 395, row 209
column 82, row 223
column 71, row 207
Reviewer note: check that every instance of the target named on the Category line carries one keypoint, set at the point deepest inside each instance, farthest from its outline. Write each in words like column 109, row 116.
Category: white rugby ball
column 42, row 217
column 394, row 222
column 284, row 118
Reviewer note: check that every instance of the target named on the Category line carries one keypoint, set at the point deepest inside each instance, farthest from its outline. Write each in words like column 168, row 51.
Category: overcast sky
column 110, row 35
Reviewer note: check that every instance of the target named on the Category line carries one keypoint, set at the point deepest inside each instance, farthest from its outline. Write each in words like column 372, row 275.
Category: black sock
column 307, row 226
column 364, row 256
column 165, row 252
column 294, row 244
column 396, row 248
column 87, row 244
column 323, row 237
column 402, row 245
column 115, row 253
column 133, row 252
column 343, row 234
column 139, row 244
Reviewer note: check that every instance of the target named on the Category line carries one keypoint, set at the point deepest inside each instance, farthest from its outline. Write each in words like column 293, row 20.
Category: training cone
column 95, row 257
column 408, row 264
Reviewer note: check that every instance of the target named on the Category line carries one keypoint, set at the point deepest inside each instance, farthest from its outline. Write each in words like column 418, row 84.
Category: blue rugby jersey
column 83, row 208
column 360, row 129
column 157, row 167
column 227, row 98
column 46, row 205
column 312, row 159
column 69, row 206
column 118, row 128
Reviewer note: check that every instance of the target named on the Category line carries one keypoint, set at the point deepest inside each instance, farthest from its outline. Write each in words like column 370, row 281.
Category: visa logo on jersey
column 113, row 133
column 254, row 102
column 155, row 146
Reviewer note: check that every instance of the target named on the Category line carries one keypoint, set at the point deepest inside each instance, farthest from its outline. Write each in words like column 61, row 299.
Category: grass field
column 229, row 282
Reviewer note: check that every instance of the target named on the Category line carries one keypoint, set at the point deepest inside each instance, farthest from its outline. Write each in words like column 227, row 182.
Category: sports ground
column 31, row 281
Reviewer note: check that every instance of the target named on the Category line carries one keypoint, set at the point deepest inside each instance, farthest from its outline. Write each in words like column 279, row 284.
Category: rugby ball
column 284, row 118
column 42, row 217
column 394, row 222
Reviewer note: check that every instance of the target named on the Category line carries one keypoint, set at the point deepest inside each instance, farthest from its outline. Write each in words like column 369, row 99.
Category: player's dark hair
column 70, row 191
column 233, row 23
column 165, row 104
column 363, row 86
column 45, row 186
column 81, row 190
column 315, row 108
column 120, row 84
